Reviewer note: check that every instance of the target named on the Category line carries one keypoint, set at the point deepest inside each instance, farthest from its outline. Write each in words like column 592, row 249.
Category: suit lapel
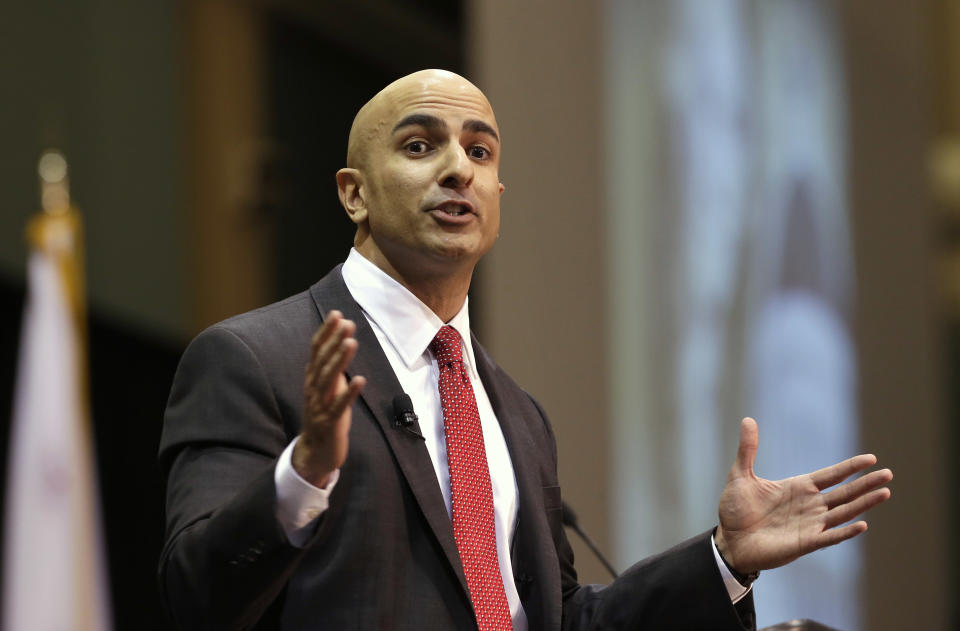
column 382, row 386
column 514, row 432
column 521, row 446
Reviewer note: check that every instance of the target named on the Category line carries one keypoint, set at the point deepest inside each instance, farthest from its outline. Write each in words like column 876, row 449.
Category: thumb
column 747, row 451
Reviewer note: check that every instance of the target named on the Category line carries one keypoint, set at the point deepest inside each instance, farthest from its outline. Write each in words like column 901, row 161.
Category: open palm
column 765, row 524
column 324, row 437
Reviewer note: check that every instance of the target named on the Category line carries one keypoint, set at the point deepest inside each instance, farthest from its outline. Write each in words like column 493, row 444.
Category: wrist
column 723, row 549
column 307, row 462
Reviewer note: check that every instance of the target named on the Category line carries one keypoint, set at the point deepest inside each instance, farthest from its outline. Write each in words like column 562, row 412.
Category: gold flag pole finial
column 54, row 182
column 57, row 231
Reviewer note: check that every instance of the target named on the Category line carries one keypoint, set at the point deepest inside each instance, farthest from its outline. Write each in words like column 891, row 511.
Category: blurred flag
column 54, row 567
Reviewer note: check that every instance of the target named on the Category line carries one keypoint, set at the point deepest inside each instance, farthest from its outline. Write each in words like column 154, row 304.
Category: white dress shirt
column 405, row 326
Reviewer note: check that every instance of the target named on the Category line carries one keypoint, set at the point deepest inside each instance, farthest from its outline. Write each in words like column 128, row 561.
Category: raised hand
column 324, row 437
column 765, row 524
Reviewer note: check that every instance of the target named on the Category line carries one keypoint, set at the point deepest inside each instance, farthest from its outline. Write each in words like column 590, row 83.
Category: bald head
column 422, row 184
column 377, row 117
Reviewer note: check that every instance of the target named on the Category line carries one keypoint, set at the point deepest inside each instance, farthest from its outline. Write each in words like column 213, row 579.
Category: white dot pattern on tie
column 470, row 487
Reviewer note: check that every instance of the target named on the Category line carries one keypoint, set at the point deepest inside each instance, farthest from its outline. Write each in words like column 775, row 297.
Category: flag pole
column 54, row 563
column 58, row 231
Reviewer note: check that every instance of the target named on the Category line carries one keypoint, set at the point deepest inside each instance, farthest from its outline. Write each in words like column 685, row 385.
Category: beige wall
column 228, row 236
column 888, row 50
column 542, row 287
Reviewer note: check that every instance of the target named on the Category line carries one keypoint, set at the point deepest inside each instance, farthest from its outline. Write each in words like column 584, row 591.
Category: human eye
column 416, row 147
column 478, row 152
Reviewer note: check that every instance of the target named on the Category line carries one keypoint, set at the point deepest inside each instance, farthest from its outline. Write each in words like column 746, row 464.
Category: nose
column 457, row 168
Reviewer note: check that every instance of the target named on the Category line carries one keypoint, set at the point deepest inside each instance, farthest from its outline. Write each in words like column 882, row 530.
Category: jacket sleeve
column 225, row 557
column 679, row 589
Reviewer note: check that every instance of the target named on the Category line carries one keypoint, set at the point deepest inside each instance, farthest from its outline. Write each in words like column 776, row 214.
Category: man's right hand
column 324, row 437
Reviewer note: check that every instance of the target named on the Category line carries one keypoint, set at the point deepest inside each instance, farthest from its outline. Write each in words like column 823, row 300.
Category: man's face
column 429, row 176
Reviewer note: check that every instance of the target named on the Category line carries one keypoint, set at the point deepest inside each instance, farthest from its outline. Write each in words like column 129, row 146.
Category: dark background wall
column 138, row 206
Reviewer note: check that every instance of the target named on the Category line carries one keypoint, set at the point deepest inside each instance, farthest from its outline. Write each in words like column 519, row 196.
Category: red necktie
column 473, row 519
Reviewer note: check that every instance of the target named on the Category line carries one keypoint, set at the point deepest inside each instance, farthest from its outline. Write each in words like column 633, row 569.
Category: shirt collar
column 408, row 324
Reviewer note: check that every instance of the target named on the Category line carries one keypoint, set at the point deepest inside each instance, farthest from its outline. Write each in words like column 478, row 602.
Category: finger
column 323, row 334
column 321, row 339
column 747, row 450
column 329, row 353
column 345, row 354
column 828, row 476
column 335, row 422
column 845, row 512
column 837, row 535
column 327, row 380
column 326, row 329
column 331, row 344
column 326, row 405
column 856, row 488
column 346, row 398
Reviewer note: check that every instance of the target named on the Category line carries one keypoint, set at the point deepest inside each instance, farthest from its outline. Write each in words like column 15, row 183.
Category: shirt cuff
column 734, row 588
column 299, row 503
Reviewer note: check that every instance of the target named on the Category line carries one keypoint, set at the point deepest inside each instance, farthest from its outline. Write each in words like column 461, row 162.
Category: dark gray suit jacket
column 383, row 555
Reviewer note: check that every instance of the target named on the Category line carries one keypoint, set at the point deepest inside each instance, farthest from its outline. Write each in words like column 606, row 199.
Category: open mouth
column 454, row 209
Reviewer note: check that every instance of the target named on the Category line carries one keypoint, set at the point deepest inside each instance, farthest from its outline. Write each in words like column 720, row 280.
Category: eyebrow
column 480, row 127
column 431, row 122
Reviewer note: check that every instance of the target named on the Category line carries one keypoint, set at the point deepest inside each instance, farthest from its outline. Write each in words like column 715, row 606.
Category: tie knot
column 446, row 345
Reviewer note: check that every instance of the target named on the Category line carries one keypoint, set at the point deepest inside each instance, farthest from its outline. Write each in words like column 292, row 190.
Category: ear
column 350, row 190
column 502, row 188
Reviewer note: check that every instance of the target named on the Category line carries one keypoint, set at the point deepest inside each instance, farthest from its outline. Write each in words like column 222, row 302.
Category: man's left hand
column 765, row 524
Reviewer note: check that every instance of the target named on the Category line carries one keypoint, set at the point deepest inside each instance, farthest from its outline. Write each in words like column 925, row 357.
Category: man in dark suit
column 311, row 501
